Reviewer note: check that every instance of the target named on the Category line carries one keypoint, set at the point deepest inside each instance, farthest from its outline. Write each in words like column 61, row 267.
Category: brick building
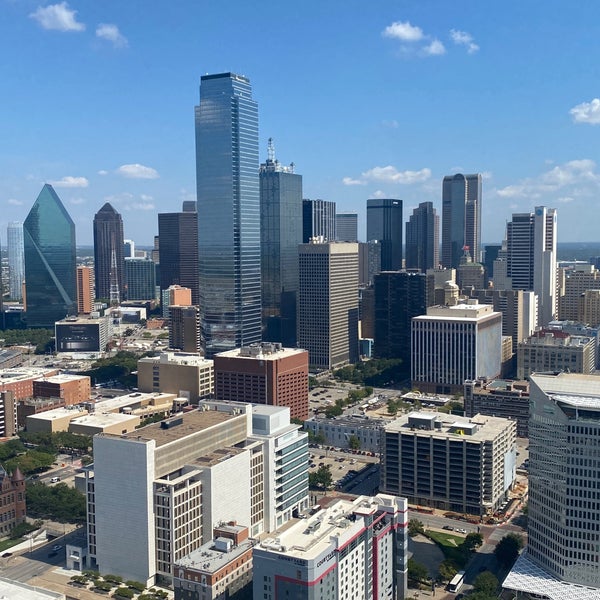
column 12, row 500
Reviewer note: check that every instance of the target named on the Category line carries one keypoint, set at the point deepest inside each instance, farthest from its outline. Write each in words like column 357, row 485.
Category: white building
column 339, row 431
column 351, row 549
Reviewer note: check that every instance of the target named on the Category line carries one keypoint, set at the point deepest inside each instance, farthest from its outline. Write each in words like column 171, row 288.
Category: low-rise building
column 340, row 431
column 15, row 590
column 51, row 421
column 19, row 380
column 116, row 423
column 13, row 508
column 73, row 389
column 83, row 334
column 448, row 462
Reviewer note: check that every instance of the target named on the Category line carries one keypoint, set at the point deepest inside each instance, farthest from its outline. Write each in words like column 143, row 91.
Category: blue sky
column 379, row 98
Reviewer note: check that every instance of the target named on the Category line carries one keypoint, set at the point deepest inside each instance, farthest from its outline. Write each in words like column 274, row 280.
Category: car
column 56, row 547
column 460, row 530
column 7, row 555
column 54, row 479
column 447, row 527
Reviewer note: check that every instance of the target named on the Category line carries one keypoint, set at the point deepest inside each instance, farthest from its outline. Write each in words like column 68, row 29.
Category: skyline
column 99, row 102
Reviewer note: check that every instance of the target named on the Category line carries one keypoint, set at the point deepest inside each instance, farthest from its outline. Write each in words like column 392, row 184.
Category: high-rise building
column 175, row 295
column 85, row 290
column 264, row 374
column 16, row 259
column 128, row 249
column 184, row 328
column 140, row 277
column 228, row 213
column 50, row 261
column 328, row 303
column 423, row 238
column 346, row 227
column 461, row 218
column 281, row 233
column 318, row 220
column 109, row 268
column 385, row 224
column 178, row 251
column 564, row 490
column 575, row 283
column 369, row 261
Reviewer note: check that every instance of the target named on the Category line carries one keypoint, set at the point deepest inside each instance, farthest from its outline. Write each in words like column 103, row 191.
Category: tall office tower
column 423, row 238
column 564, row 490
column 454, row 343
column 184, row 328
column 109, row 266
column 490, row 253
column 384, row 223
column 328, row 303
column 318, row 220
column 399, row 296
column 575, row 283
column 50, row 261
column 228, row 213
column 178, row 251
column 140, row 275
column 470, row 275
column 16, row 259
column 281, row 233
column 175, row 295
column 128, row 249
column 85, row 290
column 531, row 258
column 369, row 261
column 264, row 374
column 346, row 227
column 366, row 312
column 461, row 218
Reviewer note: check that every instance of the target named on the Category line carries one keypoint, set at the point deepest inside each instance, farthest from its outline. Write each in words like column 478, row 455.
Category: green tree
column 507, row 549
column 415, row 527
column 447, row 570
column 486, row 582
column 58, row 502
column 333, row 411
column 417, row 571
column 353, row 443
column 472, row 541
column 124, row 592
column 321, row 478
column 392, row 406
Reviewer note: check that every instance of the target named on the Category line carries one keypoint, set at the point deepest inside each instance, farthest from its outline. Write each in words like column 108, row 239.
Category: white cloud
column 118, row 198
column 137, row 171
column 392, row 175
column 111, row 33
column 435, row 48
column 70, row 182
column 462, row 38
column 146, row 197
column 403, row 31
column 58, row 17
column 102, row 172
column 587, row 112
column 350, row 181
column 14, row 202
column 141, row 206
column 379, row 194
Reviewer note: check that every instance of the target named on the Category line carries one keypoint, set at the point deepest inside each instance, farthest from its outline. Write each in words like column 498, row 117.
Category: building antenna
column 114, row 278
column 271, row 151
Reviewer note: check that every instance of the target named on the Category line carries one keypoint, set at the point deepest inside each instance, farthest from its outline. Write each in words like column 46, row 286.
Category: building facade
column 16, row 259
column 13, row 508
column 385, row 224
column 184, row 328
column 109, row 268
column 228, row 213
column 318, row 220
column 423, row 238
column 346, row 227
column 85, row 290
column 82, row 335
column 140, row 277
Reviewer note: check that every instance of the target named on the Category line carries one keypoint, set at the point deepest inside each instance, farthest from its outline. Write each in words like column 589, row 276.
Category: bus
column 457, row 582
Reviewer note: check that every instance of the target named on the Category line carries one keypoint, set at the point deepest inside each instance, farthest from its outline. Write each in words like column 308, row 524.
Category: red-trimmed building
column 12, row 500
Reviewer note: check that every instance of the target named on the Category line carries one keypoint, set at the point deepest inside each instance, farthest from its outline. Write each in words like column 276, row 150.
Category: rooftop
column 82, row 320
column 59, row 413
column 104, row 419
column 208, row 559
column 20, row 373
column 63, row 378
column 179, row 358
column 569, row 384
column 471, row 311
column 21, row 591
column 263, row 351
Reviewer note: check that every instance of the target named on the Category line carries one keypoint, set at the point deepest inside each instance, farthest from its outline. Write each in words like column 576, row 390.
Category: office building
column 346, row 227
column 140, row 275
column 490, row 254
column 73, row 389
column 264, row 374
column 385, row 224
column 85, row 290
column 129, row 249
column 184, row 328
column 50, row 261
column 366, row 312
column 564, row 490
column 178, row 251
column 228, row 213
column 461, row 218
column 351, row 549
column 453, row 343
column 109, row 268
column 499, row 398
column 399, row 296
column 281, row 233
column 9, row 425
column 369, row 262
column 470, row 275
column 423, row 238
column 574, row 285
column 175, row 295
column 19, row 380
column 83, row 334
column 318, row 220
column 12, row 501
column 442, row 288
column 328, row 303
column 342, row 430
column 188, row 375
column 450, row 463
column 16, row 260
column 553, row 350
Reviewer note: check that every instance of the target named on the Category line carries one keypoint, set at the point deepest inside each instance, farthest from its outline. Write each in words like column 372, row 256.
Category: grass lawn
column 6, row 544
column 449, row 545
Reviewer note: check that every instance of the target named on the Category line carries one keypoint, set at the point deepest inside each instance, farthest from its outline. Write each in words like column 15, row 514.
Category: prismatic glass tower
column 228, row 213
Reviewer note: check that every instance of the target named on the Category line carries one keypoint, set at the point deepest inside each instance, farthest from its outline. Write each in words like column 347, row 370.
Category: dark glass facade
column 228, row 213
column 109, row 265
column 140, row 277
column 384, row 223
column 318, row 220
column 50, row 261
column 422, row 238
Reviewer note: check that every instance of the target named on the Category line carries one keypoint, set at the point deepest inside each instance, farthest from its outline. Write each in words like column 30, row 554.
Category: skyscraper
column 109, row 266
column 423, row 238
column 228, row 213
column 281, row 233
column 461, row 218
column 384, row 223
column 16, row 259
column 178, row 251
column 318, row 220
column 85, row 290
column 140, row 275
column 50, row 261
column 346, row 227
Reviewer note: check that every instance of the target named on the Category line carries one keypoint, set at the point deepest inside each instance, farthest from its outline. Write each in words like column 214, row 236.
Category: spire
column 270, row 151
column 17, row 475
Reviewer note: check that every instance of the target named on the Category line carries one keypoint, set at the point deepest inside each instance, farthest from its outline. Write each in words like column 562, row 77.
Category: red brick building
column 73, row 389
column 12, row 500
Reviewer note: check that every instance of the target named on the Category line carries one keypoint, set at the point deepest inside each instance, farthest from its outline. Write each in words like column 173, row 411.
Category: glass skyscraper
column 16, row 259
column 109, row 266
column 385, row 224
column 50, row 261
column 228, row 213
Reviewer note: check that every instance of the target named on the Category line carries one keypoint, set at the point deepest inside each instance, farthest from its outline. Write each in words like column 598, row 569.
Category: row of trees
column 42, row 339
column 377, row 372
column 59, row 502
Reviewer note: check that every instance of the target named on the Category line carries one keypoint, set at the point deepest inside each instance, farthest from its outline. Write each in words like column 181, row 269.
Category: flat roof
column 59, row 413
column 261, row 354
column 63, row 378
column 208, row 559
column 103, row 419
column 19, row 373
column 568, row 384
column 114, row 404
column 21, row 591
column 82, row 320
column 179, row 358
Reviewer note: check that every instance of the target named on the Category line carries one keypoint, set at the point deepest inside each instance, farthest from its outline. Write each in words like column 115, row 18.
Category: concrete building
column 448, row 462
column 339, row 431
column 19, row 380
column 52, row 421
column 140, row 279
column 16, row 259
column 175, row 295
column 264, row 373
column 346, row 227
column 73, row 389
column 499, row 398
column 575, row 283
column 552, row 350
column 85, row 290
column 83, row 334
column 328, row 303
column 114, row 423
column 189, row 376
column 351, row 549
column 453, row 343
column 16, row 590
column 369, row 261
column 564, row 490
column 439, row 282
column 184, row 328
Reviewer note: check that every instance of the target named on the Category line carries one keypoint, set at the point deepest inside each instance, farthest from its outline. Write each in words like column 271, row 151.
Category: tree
column 392, row 406
column 59, row 502
column 321, row 478
column 415, row 527
column 353, row 442
column 486, row 582
column 472, row 541
column 417, row 571
column 447, row 570
column 507, row 550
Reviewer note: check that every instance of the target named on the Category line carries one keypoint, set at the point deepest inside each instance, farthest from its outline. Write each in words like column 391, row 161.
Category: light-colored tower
column 16, row 259
column 544, row 262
